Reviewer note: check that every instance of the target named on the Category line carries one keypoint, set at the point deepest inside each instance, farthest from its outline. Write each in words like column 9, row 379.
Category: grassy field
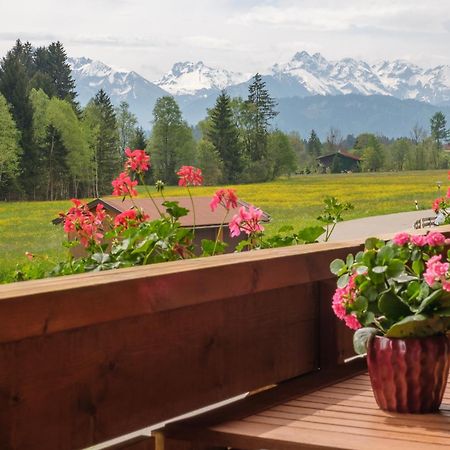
column 26, row 226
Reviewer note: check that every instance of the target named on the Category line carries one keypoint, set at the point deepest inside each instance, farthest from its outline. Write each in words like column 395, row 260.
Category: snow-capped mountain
column 400, row 79
column 121, row 85
column 188, row 78
column 395, row 95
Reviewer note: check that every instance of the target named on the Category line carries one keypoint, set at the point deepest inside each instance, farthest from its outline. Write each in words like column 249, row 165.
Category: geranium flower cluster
column 130, row 218
column 86, row 225
column 123, row 185
column 342, row 299
column 247, row 221
column 138, row 161
column 433, row 239
column 437, row 272
column 225, row 197
column 189, row 176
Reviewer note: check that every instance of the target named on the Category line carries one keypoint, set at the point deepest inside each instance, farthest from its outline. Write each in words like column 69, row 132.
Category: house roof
column 204, row 217
column 342, row 153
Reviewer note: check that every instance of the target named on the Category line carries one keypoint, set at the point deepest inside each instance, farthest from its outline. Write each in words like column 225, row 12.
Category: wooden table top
column 340, row 416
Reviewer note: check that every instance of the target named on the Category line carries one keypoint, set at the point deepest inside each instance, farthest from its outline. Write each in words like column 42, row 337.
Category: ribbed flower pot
column 409, row 375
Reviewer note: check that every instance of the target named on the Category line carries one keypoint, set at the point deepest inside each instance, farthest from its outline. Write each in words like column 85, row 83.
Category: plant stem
column 150, row 195
column 193, row 207
column 218, row 233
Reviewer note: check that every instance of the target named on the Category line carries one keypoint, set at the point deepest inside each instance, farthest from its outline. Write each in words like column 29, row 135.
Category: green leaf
column 210, row 248
column 343, row 280
column 361, row 339
column 385, row 254
column 242, row 245
column 369, row 258
column 413, row 290
column 175, row 210
column 286, row 229
column 360, row 304
column 336, row 266
column 362, row 270
column 366, row 318
column 207, row 247
column 309, row 235
column 373, row 243
column 418, row 266
column 395, row 268
column 417, row 325
column 359, row 257
column 430, row 300
column 392, row 306
column 350, row 260
column 379, row 269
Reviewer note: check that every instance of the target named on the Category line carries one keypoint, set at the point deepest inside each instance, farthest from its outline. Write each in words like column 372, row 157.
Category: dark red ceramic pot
column 409, row 375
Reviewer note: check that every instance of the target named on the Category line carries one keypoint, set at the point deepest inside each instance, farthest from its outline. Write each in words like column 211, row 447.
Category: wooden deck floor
column 340, row 416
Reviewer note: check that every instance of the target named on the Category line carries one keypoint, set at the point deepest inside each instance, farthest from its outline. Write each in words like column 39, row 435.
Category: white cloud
column 148, row 36
column 209, row 42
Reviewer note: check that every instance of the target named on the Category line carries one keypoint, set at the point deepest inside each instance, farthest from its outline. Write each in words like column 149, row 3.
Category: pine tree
column 261, row 108
column 439, row 132
column 106, row 157
column 61, row 73
column 53, row 73
column 224, row 135
column 314, row 146
column 139, row 139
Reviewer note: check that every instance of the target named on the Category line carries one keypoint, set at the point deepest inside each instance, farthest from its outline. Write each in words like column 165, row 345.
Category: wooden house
column 344, row 160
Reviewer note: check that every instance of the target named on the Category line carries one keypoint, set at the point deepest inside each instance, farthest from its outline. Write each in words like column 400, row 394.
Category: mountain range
column 388, row 97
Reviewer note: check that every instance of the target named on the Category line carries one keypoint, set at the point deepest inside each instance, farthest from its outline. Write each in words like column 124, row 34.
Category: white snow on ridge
column 188, row 78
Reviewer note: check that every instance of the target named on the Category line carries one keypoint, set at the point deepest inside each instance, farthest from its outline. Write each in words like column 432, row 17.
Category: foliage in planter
column 133, row 239
column 399, row 288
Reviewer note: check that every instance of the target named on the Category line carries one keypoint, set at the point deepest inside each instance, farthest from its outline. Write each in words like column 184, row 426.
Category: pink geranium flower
column 401, row 239
column 247, row 221
column 124, row 186
column 344, row 298
column 436, row 271
column 225, row 197
column 419, row 240
column 190, row 176
column 137, row 160
column 435, row 239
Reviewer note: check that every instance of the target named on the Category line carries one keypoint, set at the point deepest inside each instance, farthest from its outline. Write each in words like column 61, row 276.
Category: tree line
column 423, row 149
column 51, row 148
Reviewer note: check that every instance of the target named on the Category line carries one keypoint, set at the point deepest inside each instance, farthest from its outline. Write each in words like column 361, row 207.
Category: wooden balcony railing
column 87, row 358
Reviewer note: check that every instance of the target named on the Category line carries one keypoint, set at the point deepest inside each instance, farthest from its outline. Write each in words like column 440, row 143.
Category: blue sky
column 148, row 36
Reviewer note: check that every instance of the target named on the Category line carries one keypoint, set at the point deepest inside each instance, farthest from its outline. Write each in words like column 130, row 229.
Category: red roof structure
column 204, row 217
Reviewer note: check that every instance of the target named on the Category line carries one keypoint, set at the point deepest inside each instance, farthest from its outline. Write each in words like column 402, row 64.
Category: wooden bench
column 322, row 410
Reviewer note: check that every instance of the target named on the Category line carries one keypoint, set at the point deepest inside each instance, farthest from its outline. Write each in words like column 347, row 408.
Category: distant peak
column 303, row 55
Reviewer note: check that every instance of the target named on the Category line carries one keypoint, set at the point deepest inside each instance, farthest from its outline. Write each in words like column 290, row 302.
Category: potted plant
column 396, row 296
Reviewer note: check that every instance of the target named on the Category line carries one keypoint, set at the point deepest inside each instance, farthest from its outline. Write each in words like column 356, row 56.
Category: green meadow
column 26, row 226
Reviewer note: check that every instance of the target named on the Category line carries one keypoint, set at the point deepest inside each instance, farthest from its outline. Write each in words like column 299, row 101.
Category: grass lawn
column 26, row 226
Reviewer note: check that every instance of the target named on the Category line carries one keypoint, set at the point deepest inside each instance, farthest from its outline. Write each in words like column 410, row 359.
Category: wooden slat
column 137, row 443
column 341, row 415
column 75, row 388
column 36, row 308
